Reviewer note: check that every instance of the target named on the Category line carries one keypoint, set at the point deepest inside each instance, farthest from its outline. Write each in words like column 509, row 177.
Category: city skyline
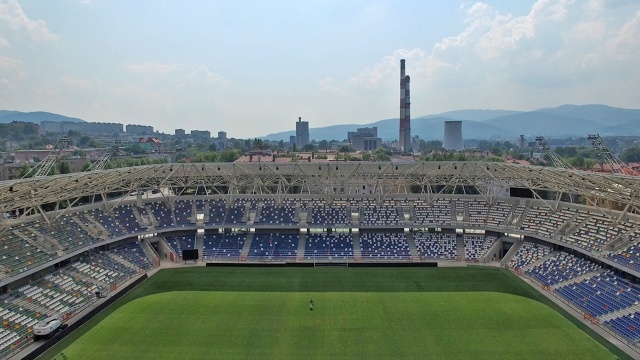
column 192, row 65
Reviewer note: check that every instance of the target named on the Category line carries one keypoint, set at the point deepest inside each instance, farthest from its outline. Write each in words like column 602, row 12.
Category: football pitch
column 360, row 313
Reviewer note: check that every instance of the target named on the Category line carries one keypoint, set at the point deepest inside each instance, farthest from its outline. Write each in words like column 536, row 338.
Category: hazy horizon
column 251, row 68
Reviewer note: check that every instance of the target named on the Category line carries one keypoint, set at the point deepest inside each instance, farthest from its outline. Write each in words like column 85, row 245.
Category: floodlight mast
column 616, row 165
column 44, row 166
column 104, row 159
column 556, row 159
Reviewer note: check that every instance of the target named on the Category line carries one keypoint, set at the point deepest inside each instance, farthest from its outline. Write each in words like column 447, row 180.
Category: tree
column 309, row 147
column 24, row 170
column 631, row 154
column 85, row 166
column 346, row 149
column 229, row 155
column 213, row 147
column 64, row 167
column 323, row 145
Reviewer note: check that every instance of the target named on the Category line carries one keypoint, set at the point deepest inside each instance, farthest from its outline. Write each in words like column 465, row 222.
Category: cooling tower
column 453, row 135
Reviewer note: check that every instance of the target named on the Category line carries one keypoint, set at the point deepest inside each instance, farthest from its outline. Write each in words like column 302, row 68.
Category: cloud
column 7, row 63
column 560, row 51
column 152, row 68
column 13, row 18
column 204, row 74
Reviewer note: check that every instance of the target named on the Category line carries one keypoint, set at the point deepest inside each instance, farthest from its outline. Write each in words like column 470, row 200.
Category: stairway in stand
column 413, row 250
column 247, row 245
column 460, row 247
column 301, row 246
column 357, row 253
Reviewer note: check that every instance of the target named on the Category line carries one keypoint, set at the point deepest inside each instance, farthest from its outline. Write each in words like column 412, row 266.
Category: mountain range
column 7, row 116
column 562, row 121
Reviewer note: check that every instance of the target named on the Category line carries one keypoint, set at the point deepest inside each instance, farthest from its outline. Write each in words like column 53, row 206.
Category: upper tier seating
column 68, row 233
column 235, row 214
column 437, row 213
column 595, row 233
column 333, row 246
column 477, row 210
column 284, row 214
column 125, row 217
column 498, row 214
column 383, row 214
column 106, row 221
column 217, row 212
column 384, row 246
column 18, row 255
column 336, row 214
column 162, row 214
column 183, row 210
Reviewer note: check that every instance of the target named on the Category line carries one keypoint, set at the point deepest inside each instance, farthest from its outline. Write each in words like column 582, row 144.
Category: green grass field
column 365, row 313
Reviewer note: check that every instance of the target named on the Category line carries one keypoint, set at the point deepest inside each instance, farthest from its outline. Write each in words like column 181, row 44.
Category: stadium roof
column 338, row 178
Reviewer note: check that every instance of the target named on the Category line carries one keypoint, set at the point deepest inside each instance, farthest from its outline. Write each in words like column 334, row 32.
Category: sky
column 251, row 68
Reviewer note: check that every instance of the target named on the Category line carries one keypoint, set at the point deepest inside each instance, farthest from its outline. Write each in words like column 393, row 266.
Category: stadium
column 437, row 251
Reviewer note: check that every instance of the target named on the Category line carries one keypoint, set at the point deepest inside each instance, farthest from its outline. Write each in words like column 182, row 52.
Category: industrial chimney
column 404, row 138
column 453, row 136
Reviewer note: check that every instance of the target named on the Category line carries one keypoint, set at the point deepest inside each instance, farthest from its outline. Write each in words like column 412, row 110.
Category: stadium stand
column 284, row 214
column 236, row 212
column 528, row 254
column 66, row 291
column 435, row 246
column 438, row 213
column 183, row 210
column 383, row 214
column 335, row 215
column 125, row 217
column 333, row 246
column 217, row 212
column 179, row 243
column 629, row 257
column 222, row 247
column 384, row 246
column 561, row 267
column 477, row 246
column 274, row 247
column 162, row 214
column 601, row 294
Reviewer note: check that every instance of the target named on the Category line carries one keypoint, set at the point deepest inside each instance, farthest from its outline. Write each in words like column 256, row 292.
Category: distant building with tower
column 364, row 139
column 180, row 133
column 302, row 133
column 453, row 136
column 404, row 139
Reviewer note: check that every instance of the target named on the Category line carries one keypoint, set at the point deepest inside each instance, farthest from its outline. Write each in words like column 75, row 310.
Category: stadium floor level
column 472, row 278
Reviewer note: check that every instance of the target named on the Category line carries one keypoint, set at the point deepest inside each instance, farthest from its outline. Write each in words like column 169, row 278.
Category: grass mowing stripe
column 333, row 280
column 360, row 325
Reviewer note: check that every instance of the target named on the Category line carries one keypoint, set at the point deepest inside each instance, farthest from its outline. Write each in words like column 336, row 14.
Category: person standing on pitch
column 311, row 304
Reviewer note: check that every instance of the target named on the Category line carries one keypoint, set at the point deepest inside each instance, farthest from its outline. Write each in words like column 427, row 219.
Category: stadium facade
column 82, row 232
